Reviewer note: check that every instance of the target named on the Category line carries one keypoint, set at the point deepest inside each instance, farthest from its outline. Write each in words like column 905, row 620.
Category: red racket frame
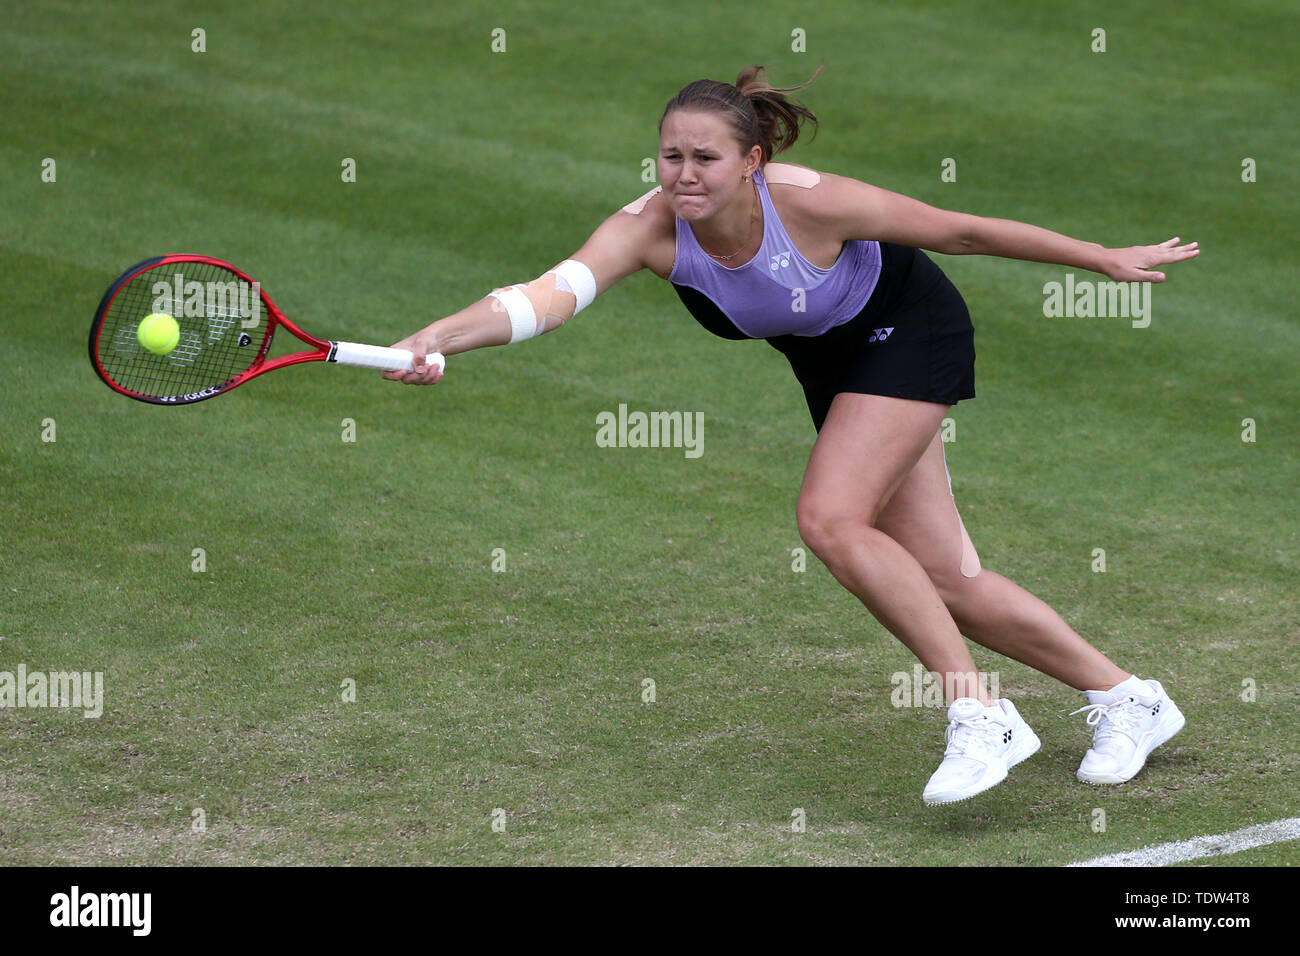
column 323, row 349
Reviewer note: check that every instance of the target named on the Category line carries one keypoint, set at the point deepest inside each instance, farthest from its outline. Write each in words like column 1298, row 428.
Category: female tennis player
column 829, row 271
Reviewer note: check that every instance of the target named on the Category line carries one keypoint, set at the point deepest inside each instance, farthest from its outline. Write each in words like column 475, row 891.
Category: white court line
column 1262, row 834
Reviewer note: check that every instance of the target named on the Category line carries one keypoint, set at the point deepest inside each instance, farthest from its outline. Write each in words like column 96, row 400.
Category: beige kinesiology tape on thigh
column 970, row 560
column 548, row 301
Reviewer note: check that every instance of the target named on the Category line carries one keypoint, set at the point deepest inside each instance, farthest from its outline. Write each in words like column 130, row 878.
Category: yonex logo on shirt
column 879, row 335
column 781, row 260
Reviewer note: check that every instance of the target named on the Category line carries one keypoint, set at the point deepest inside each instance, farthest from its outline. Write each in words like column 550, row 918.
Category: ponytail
column 759, row 113
column 778, row 117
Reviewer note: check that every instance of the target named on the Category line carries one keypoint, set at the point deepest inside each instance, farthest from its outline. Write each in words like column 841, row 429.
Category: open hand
column 1132, row 264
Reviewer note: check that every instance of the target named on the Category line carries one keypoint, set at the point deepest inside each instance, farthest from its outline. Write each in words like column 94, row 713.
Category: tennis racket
column 226, row 324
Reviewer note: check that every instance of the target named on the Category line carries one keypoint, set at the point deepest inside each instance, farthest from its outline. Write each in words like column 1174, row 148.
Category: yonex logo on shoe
column 1006, row 737
column 879, row 335
column 781, row 260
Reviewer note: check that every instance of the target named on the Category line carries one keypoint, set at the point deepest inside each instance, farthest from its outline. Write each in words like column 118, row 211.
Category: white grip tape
column 376, row 356
column 580, row 280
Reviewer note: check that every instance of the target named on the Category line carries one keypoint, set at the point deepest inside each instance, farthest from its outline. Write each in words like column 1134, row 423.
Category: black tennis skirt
column 913, row 339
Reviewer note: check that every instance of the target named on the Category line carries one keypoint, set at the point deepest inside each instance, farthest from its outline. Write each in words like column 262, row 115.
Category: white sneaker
column 1131, row 720
column 983, row 744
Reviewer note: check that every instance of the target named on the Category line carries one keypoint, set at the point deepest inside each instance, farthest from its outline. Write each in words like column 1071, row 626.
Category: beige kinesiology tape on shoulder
column 636, row 205
column 788, row 174
column 548, row 301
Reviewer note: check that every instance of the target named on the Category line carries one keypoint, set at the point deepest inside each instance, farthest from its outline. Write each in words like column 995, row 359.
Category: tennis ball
column 159, row 333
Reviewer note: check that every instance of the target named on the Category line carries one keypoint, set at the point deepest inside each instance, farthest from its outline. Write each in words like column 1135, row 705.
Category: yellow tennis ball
column 159, row 333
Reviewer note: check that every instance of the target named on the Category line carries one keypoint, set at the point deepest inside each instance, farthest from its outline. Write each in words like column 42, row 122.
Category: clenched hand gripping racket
column 226, row 324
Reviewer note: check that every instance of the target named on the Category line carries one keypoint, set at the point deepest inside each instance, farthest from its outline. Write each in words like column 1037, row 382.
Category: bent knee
column 955, row 578
column 955, row 589
column 823, row 525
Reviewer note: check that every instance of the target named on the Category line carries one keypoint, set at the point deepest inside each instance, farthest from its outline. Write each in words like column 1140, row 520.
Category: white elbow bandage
column 548, row 301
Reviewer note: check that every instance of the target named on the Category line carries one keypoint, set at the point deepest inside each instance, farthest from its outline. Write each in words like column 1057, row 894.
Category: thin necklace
column 753, row 217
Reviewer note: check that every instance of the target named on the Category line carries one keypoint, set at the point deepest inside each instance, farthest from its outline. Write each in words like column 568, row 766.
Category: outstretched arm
column 862, row 211
column 1019, row 240
column 611, row 253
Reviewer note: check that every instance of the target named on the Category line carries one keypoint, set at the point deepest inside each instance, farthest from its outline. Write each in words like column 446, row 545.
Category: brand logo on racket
column 191, row 396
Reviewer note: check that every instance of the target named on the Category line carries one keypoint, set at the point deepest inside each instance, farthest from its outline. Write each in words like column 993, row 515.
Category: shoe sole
column 1163, row 733
column 1015, row 757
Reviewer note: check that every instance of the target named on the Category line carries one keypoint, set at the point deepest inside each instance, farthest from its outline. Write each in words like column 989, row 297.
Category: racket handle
column 375, row 356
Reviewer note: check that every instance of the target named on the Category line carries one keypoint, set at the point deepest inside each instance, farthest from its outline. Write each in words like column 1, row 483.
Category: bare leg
column 988, row 608
column 867, row 448
column 1000, row 614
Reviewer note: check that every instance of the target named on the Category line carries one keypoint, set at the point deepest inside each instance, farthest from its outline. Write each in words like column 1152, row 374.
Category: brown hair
column 758, row 112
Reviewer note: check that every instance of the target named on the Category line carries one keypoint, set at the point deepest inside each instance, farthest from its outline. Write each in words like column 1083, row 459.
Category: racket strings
column 223, row 325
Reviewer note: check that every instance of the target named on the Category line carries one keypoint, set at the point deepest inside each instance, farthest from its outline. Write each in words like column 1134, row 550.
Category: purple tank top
column 763, row 297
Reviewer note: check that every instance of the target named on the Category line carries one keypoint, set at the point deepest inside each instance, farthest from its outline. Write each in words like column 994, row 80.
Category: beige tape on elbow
column 535, row 307
column 539, row 306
